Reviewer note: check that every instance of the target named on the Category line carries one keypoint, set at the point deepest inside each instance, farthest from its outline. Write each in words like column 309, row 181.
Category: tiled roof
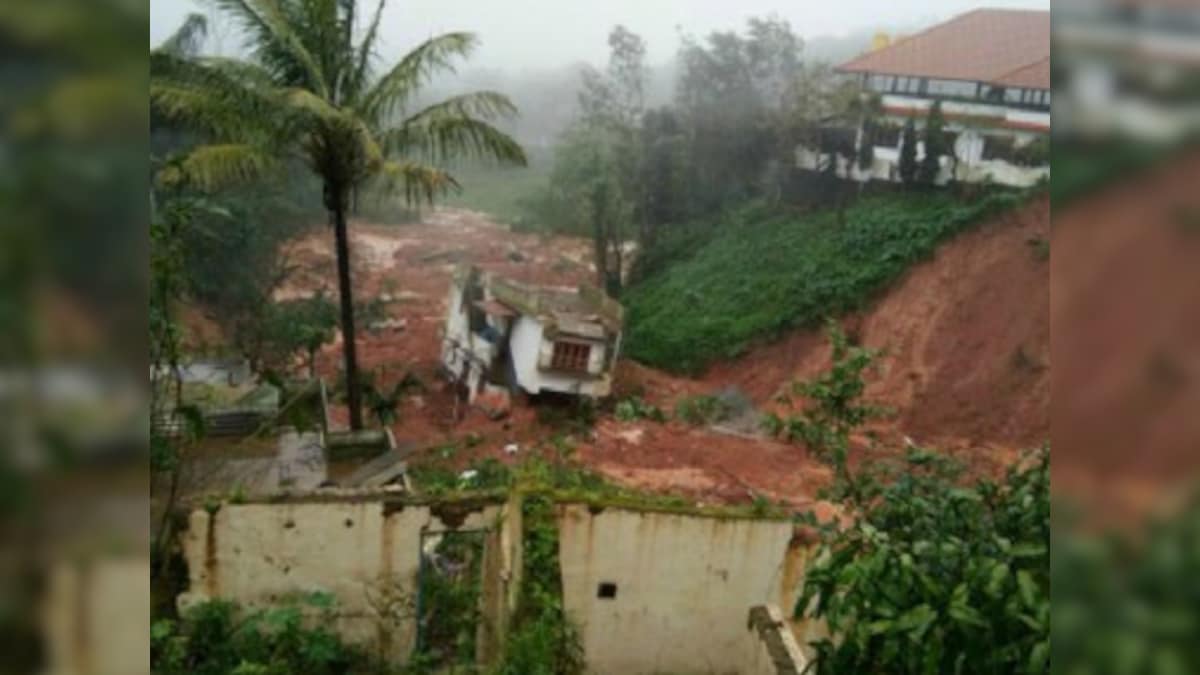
column 988, row 45
column 1035, row 76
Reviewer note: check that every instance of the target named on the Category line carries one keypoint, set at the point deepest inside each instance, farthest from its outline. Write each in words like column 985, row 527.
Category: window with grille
column 571, row 356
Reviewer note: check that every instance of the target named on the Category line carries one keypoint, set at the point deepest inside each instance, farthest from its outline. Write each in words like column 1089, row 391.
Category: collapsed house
column 505, row 335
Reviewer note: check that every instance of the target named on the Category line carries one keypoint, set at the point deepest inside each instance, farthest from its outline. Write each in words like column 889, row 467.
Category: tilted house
column 501, row 333
column 990, row 69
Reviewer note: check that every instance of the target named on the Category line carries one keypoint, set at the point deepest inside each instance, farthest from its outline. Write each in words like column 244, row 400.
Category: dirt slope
column 966, row 334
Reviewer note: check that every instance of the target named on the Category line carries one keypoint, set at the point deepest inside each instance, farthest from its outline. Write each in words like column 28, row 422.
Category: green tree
column 737, row 95
column 908, row 153
column 311, row 90
column 836, row 408
column 302, row 325
column 935, row 145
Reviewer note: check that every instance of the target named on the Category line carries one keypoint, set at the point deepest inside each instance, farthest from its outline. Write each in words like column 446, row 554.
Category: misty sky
column 533, row 34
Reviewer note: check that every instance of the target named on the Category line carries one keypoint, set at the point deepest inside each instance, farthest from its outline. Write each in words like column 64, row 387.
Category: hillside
column 966, row 335
column 762, row 277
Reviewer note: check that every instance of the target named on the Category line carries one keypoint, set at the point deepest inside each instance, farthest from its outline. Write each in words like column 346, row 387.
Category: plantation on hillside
column 762, row 276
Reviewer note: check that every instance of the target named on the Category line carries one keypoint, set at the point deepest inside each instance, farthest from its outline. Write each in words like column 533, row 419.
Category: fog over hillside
column 539, row 68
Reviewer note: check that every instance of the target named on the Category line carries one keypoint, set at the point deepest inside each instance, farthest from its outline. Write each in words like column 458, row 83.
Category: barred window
column 571, row 356
column 956, row 88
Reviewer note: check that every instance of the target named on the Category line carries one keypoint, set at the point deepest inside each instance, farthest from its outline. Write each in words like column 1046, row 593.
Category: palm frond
column 187, row 39
column 230, row 100
column 276, row 43
column 209, row 167
column 458, row 126
column 366, row 52
column 419, row 181
column 398, row 85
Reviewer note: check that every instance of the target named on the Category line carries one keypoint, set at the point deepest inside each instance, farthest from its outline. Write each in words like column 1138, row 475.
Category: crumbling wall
column 652, row 592
column 366, row 552
column 665, row 592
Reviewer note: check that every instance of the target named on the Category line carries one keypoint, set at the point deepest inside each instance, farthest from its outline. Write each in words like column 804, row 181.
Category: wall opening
column 607, row 590
column 449, row 606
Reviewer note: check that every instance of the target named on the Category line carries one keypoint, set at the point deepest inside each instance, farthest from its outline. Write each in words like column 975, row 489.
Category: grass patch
column 766, row 274
column 499, row 190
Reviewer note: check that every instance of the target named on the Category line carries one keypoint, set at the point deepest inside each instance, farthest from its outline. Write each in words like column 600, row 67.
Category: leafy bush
column 835, row 407
column 1126, row 602
column 217, row 638
column 701, row 409
column 435, row 473
column 636, row 408
column 450, row 612
column 937, row 577
column 763, row 275
column 543, row 640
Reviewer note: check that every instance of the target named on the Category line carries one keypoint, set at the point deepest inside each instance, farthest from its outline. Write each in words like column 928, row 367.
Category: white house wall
column 526, row 341
column 528, row 344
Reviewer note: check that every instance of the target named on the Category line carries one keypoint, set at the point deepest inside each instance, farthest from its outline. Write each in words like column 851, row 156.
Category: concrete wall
column 684, row 588
column 684, row 584
column 364, row 551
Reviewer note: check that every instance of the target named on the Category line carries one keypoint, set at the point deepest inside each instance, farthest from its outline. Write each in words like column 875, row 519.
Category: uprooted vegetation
column 764, row 273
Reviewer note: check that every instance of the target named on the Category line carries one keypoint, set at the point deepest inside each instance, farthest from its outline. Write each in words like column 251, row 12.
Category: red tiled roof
column 1034, row 76
column 985, row 45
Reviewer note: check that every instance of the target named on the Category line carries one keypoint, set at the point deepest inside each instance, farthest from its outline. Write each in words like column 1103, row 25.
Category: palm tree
column 311, row 90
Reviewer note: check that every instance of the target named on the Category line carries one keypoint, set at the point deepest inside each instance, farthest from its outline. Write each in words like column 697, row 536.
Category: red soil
column 1126, row 389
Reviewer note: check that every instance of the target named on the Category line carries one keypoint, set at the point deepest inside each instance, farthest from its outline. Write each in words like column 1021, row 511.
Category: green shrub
column 701, row 409
column 217, row 638
column 766, row 273
column 1126, row 601
column 543, row 639
column 635, row 408
column 935, row 576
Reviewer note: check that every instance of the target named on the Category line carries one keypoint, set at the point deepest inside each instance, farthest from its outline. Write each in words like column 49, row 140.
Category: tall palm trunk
column 346, row 296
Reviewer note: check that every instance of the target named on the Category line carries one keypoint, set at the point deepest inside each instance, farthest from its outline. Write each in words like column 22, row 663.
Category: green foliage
column 383, row 402
column 635, row 408
column 934, row 576
column 771, row 424
column 908, row 153
column 435, row 473
column 1034, row 153
column 701, row 409
column 1126, row 602
column 835, row 408
column 293, row 326
column 503, row 192
column 575, row 415
column 765, row 273
column 450, row 588
column 543, row 639
column 936, row 145
column 218, row 638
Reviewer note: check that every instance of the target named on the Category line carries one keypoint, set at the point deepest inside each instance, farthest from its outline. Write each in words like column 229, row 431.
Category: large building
column 990, row 69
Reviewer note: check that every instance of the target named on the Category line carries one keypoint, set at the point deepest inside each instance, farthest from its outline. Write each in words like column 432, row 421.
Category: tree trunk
column 346, row 296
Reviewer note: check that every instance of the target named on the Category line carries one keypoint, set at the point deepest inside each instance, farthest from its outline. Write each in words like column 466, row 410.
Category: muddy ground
column 966, row 368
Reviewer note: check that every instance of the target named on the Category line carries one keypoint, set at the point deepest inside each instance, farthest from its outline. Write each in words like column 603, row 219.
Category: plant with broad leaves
column 937, row 576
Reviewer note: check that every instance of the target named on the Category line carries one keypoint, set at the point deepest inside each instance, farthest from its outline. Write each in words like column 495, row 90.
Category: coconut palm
column 310, row 89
